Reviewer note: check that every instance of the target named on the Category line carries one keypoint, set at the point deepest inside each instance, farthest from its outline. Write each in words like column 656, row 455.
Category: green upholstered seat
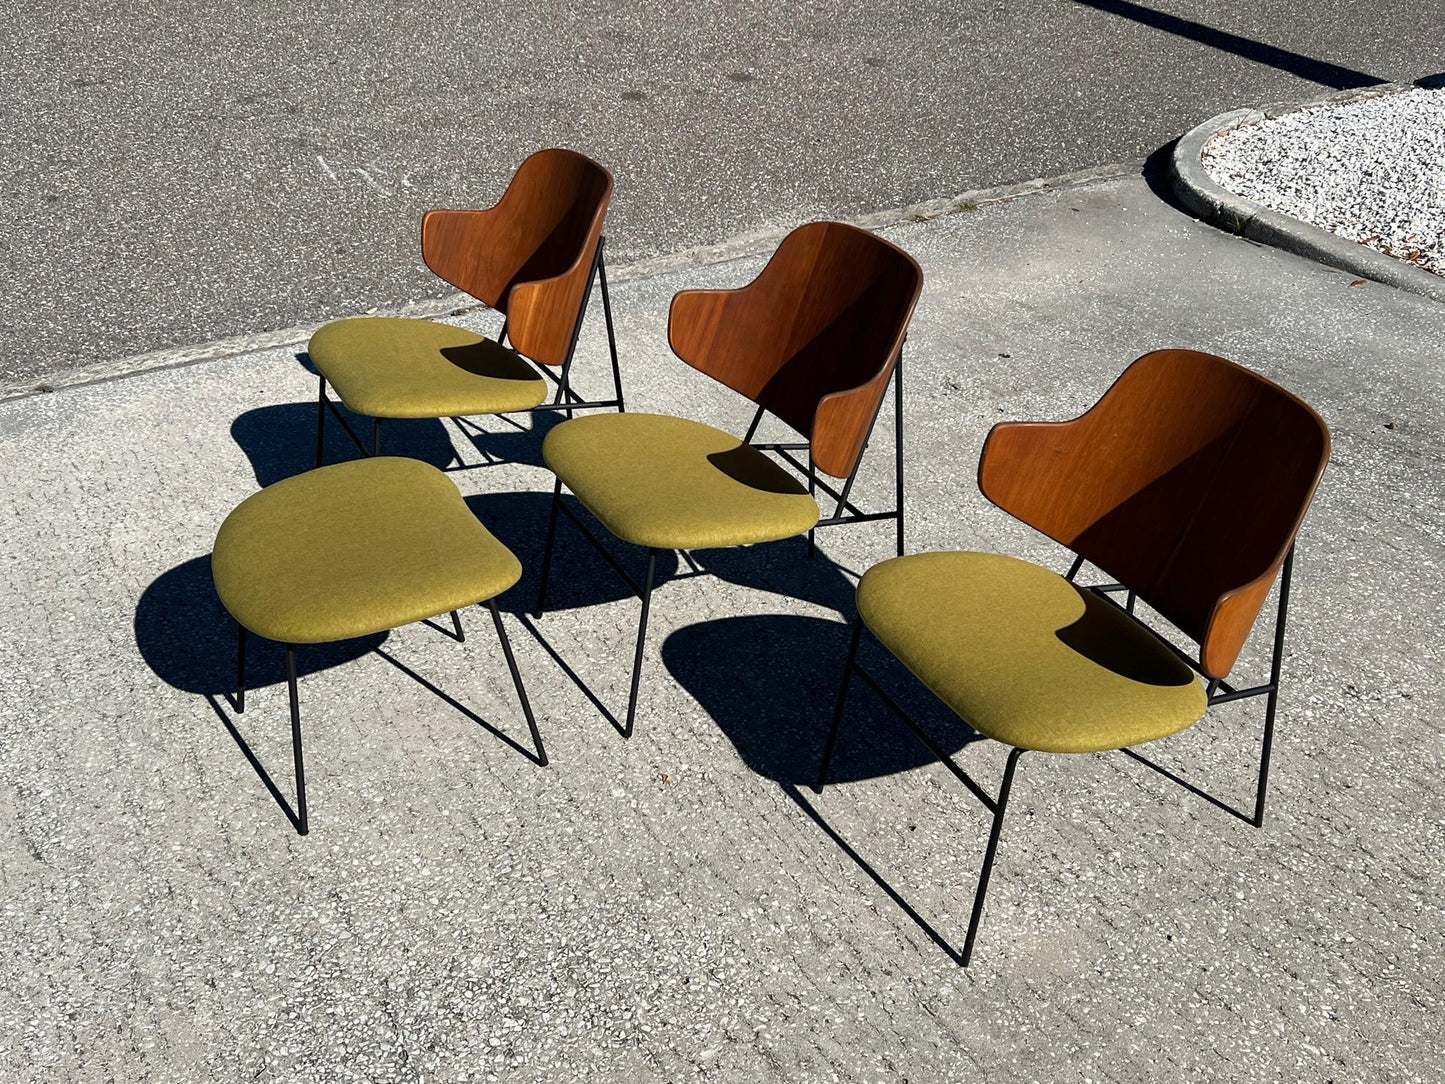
column 354, row 549
column 389, row 368
column 670, row 483
column 1024, row 656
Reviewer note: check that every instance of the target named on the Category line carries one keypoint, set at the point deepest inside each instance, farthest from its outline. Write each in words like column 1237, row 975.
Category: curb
column 459, row 304
column 1206, row 199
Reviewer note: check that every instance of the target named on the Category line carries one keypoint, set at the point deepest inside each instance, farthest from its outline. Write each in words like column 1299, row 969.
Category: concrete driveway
column 679, row 905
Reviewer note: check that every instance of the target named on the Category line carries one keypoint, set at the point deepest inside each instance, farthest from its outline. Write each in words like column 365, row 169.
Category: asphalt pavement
column 182, row 172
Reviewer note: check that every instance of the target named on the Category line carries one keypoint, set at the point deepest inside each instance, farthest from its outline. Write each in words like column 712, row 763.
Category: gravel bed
column 1371, row 170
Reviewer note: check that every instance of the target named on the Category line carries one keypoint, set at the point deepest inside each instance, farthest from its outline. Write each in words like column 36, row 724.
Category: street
column 183, row 172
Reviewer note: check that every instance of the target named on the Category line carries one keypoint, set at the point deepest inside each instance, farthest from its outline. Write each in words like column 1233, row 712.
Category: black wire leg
column 240, row 667
column 321, row 425
column 1264, row 752
column 611, row 335
column 999, row 807
column 898, row 448
column 838, row 708
column 641, row 639
column 517, row 681
column 301, row 825
column 1275, row 667
column 547, row 549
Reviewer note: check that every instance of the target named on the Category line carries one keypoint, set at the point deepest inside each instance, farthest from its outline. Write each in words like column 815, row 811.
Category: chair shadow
column 784, row 568
column 770, row 682
column 186, row 637
column 1192, row 788
column 280, row 440
column 579, row 578
column 188, row 640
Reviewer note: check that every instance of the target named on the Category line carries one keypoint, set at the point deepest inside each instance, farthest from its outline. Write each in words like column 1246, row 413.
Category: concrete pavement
column 193, row 171
column 679, row 905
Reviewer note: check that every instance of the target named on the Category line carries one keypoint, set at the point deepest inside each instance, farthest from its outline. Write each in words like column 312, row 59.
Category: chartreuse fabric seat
column 670, row 483
column 814, row 342
column 1186, row 484
column 388, row 368
column 1024, row 655
column 533, row 257
column 352, row 550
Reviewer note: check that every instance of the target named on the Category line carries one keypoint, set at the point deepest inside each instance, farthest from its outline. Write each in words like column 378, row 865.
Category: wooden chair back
column 530, row 256
column 1187, row 482
column 813, row 339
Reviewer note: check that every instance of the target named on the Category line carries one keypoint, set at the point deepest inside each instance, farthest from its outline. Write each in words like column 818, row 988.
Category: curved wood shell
column 813, row 339
column 531, row 255
column 1187, row 482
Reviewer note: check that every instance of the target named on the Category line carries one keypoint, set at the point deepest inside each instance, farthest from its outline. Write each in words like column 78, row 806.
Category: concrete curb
column 457, row 304
column 1205, row 198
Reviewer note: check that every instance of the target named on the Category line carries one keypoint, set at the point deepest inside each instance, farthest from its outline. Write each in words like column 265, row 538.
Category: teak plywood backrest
column 531, row 255
column 1187, row 482
column 813, row 339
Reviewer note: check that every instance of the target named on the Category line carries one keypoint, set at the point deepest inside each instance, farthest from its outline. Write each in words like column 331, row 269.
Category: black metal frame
column 846, row 511
column 1218, row 691
column 565, row 398
column 840, row 516
column 299, row 817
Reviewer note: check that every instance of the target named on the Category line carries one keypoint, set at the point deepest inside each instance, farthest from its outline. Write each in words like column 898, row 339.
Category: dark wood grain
column 1187, row 482
column 813, row 339
column 530, row 255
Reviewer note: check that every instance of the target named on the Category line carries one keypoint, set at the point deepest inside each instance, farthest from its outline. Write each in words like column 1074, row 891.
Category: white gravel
column 1371, row 170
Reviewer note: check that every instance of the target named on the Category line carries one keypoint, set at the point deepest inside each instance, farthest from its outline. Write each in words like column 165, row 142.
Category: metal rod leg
column 375, row 436
column 457, row 624
column 641, row 639
column 607, row 318
column 240, row 667
column 812, row 490
column 838, row 707
column 1264, row 759
column 983, row 876
column 321, row 425
column 301, row 825
column 517, row 681
column 1276, row 665
column 898, row 446
column 547, row 549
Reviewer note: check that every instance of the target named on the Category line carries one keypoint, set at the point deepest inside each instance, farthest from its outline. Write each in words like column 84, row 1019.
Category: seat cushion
column 1024, row 656
column 670, row 483
column 354, row 549
column 389, row 368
